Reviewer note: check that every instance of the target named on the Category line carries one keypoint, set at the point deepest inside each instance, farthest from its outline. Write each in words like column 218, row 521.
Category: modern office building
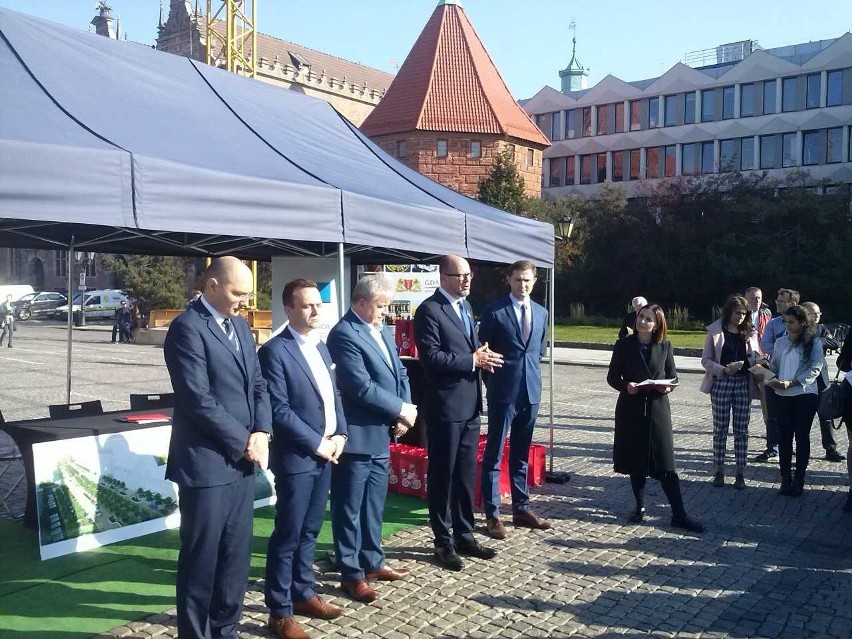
column 733, row 108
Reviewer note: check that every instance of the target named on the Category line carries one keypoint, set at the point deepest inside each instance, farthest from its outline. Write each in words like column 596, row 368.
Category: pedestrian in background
column 7, row 317
column 629, row 320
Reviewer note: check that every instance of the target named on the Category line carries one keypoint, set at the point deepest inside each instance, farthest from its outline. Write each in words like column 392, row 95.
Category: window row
column 782, row 150
column 778, row 95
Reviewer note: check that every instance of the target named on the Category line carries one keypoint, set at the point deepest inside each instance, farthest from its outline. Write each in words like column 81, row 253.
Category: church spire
column 575, row 75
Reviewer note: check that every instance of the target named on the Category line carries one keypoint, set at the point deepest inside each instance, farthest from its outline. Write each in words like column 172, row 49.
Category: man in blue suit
column 452, row 402
column 377, row 404
column 220, row 429
column 515, row 327
column 309, row 433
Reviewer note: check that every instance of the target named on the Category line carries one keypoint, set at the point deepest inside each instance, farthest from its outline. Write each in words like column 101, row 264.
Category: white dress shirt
column 220, row 320
column 322, row 376
column 376, row 334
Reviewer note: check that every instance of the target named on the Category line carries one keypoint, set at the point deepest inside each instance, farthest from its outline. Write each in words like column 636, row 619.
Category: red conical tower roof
column 449, row 83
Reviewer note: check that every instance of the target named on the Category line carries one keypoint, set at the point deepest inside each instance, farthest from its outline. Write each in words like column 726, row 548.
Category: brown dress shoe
column 359, row 590
column 528, row 519
column 386, row 573
column 286, row 628
column 317, row 609
column 495, row 528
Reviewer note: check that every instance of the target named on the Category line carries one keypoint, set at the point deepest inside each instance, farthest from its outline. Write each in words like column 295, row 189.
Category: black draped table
column 34, row 431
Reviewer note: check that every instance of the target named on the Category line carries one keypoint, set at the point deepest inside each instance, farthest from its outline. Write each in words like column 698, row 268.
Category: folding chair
column 83, row 409
column 13, row 487
column 148, row 402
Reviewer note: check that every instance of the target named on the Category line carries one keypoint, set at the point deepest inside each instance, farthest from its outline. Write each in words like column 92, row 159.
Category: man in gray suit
column 377, row 405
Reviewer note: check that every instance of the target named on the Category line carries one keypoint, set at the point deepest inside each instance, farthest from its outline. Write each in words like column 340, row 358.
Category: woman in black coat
column 643, row 420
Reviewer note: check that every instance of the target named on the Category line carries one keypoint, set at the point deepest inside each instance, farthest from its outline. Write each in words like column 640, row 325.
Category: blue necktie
column 464, row 318
column 230, row 334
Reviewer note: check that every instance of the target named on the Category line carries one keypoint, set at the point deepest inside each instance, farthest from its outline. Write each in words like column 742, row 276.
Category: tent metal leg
column 70, row 320
column 554, row 477
column 341, row 294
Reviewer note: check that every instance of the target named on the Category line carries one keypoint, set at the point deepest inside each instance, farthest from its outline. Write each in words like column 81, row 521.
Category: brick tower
column 448, row 111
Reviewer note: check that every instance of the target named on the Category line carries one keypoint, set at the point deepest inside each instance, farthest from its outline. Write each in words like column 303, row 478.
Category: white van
column 99, row 303
column 17, row 291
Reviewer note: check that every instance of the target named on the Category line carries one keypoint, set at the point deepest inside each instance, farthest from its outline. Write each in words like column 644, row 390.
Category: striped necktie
column 231, row 334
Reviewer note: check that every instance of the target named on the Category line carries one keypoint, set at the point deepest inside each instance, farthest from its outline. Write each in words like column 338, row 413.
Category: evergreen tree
column 504, row 187
column 154, row 281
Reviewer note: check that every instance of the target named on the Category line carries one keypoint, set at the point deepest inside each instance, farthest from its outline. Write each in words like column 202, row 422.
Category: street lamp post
column 564, row 228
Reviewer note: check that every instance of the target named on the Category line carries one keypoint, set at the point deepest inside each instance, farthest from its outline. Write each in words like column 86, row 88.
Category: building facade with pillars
column 448, row 112
column 353, row 89
column 738, row 108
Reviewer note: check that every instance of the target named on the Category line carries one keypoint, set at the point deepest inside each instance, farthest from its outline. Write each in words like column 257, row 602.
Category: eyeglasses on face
column 461, row 276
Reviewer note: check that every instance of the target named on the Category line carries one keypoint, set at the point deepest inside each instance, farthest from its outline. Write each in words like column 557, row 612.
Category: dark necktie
column 231, row 334
column 526, row 323
column 465, row 318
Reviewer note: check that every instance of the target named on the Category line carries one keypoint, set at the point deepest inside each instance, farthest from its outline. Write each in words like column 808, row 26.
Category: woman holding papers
column 730, row 349
column 643, row 371
column 797, row 362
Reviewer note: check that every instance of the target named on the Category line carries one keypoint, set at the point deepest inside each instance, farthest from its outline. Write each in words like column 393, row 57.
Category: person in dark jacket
column 121, row 324
column 629, row 320
column 844, row 364
column 644, row 444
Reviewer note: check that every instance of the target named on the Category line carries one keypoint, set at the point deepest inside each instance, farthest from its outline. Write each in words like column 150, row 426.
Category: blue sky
column 529, row 41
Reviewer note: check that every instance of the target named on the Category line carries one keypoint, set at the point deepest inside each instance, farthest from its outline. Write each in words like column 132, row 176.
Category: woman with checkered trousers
column 730, row 349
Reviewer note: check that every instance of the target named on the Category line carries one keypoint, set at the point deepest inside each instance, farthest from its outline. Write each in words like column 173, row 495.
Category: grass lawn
column 599, row 335
column 87, row 593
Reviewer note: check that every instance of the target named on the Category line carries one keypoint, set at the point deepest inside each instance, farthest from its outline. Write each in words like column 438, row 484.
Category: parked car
column 99, row 303
column 17, row 291
column 38, row 304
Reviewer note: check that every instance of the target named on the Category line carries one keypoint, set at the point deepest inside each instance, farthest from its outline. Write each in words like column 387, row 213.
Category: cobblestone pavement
column 768, row 566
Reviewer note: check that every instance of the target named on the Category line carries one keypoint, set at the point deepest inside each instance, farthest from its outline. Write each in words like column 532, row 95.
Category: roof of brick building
column 449, row 83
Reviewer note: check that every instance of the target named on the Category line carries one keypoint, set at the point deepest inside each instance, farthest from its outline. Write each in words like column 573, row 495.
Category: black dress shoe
column 690, row 525
column 448, row 558
column 637, row 516
column 834, row 456
column 765, row 456
column 475, row 549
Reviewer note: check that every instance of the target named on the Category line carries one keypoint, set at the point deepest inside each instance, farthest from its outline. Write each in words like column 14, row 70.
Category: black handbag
column 831, row 400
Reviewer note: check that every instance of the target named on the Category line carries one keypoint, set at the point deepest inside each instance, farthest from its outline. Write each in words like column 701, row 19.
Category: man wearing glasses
column 452, row 402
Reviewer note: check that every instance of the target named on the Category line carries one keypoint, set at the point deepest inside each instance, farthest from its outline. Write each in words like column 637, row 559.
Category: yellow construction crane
column 236, row 47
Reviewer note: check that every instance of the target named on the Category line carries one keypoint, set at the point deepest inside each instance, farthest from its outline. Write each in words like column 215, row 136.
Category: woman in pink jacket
column 729, row 350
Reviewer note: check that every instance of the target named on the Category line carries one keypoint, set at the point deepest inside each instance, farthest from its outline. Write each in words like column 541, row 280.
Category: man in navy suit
column 220, row 429
column 452, row 402
column 377, row 403
column 515, row 327
column 309, row 433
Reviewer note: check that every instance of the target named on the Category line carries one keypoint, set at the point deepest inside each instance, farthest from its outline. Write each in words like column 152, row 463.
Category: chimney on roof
column 103, row 21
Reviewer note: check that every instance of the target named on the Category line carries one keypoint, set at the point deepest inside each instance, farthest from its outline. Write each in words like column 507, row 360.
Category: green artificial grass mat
column 91, row 592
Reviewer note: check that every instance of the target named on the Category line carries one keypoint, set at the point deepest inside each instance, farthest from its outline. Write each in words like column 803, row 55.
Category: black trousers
column 452, row 479
column 795, row 417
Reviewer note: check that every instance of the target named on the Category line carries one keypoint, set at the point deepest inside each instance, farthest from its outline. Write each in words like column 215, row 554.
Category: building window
column 812, row 96
column 530, row 157
column 586, row 169
column 569, row 171
column 476, row 148
column 60, row 263
column 601, row 168
column 689, row 108
column 557, row 171
column 788, row 94
column 571, row 125
column 812, row 141
column 400, row 148
column 708, row 105
column 619, row 117
column 834, row 145
column 788, row 149
column 727, row 103
column 652, row 161
column 746, row 154
column 729, row 155
column 635, row 115
column 16, row 263
column 510, row 151
column 834, row 94
column 618, row 166
column 671, row 161
column 635, row 164
column 767, row 151
column 545, row 122
column 669, row 108
column 587, row 121
column 707, row 157
column 603, row 112
column 653, row 113
column 769, row 96
column 746, row 100
column 442, row 149
column 556, row 126
column 687, row 159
